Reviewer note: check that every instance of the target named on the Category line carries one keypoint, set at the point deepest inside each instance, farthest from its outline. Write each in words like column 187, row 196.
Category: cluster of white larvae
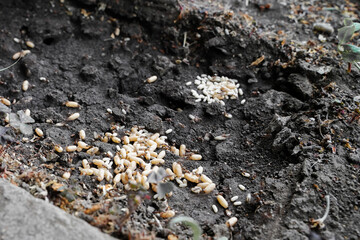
column 215, row 89
column 138, row 154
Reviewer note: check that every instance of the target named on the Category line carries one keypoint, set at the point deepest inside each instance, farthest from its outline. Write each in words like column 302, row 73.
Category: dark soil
column 297, row 134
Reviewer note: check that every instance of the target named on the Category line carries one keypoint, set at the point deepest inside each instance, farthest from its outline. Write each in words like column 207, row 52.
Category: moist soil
column 292, row 142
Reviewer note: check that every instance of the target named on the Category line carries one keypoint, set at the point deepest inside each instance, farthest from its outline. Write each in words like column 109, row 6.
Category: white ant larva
column 195, row 157
column 73, row 116
column 151, row 79
column 231, row 222
column 72, row 104
column 209, row 188
column 25, row 85
column 222, row 201
column 39, row 132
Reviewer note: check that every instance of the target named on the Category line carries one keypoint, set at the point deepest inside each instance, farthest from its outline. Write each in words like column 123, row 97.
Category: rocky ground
column 280, row 139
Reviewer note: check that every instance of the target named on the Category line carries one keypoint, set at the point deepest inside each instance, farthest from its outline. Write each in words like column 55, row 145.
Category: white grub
column 167, row 214
column 228, row 115
column 198, row 170
column 231, row 222
column 209, row 188
column 237, row 203
column 30, row 44
column 126, row 140
column 205, row 178
column 43, row 79
column 151, row 79
column 228, row 212
column 58, row 148
column 203, row 185
column 5, row 101
column 39, row 132
column 85, row 164
column 221, row 137
column 117, row 31
column 16, row 55
column 157, row 161
column 72, row 104
column 248, row 198
column 192, row 117
column 27, row 112
column 109, row 110
column 177, row 169
column 196, row 189
column 88, row 172
column 25, row 85
column 155, row 136
column 66, row 175
column 168, row 131
column 82, row 134
column 182, row 150
column 115, row 139
column 161, row 154
column 195, row 157
column 71, row 148
column 215, row 208
column 92, row 151
column 191, row 178
column 73, row 116
column 242, row 187
column 222, row 201
column 245, row 174
column 234, row 198
column 83, row 145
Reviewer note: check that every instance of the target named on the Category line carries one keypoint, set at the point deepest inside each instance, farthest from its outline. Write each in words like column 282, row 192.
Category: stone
column 26, row 217
column 300, row 86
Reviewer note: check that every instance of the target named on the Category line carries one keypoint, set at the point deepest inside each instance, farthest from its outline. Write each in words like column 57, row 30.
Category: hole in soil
column 49, row 41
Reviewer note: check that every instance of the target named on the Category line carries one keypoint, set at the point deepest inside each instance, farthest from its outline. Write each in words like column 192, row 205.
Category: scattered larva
column 16, row 55
column 73, row 116
column 182, row 150
column 82, row 134
column 167, row 214
column 71, row 148
column 242, row 187
column 237, row 203
column 234, row 198
column 195, row 157
column 231, row 222
column 5, row 101
column 215, row 208
column 222, row 201
column 58, row 148
column 25, row 85
column 151, row 79
column 30, row 44
column 39, row 132
column 72, row 104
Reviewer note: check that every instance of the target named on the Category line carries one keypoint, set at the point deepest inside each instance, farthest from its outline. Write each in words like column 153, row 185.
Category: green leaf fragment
column 193, row 224
column 345, row 34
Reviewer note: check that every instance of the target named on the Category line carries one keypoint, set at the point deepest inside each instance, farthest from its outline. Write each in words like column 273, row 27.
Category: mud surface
column 293, row 140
